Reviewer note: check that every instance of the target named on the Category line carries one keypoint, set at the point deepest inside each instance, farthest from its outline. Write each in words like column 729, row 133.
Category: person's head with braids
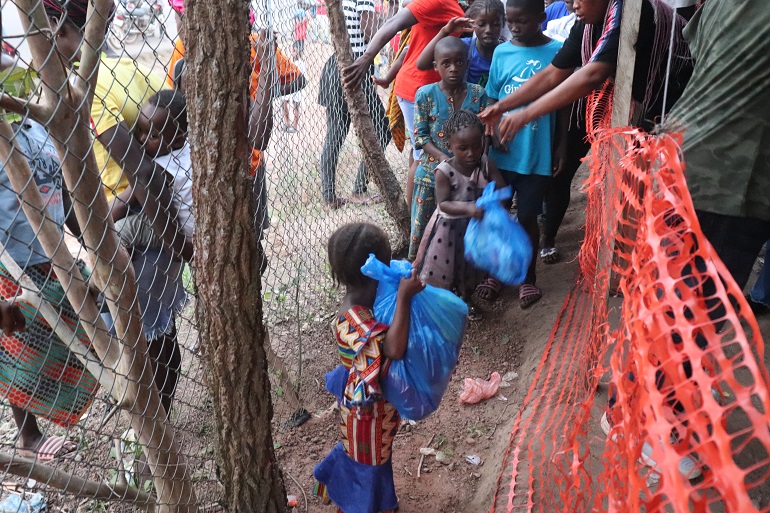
column 68, row 22
column 465, row 133
column 162, row 123
column 349, row 247
column 488, row 19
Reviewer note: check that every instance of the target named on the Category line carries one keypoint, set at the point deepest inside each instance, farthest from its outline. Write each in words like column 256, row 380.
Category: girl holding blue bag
column 357, row 476
column 460, row 181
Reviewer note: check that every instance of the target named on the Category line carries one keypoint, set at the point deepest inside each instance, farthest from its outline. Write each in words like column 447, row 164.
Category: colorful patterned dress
column 432, row 109
column 357, row 476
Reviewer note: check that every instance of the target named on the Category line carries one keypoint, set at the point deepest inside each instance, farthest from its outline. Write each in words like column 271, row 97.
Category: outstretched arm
column 150, row 188
column 388, row 79
column 425, row 60
column 397, row 337
column 577, row 85
column 534, row 88
column 353, row 75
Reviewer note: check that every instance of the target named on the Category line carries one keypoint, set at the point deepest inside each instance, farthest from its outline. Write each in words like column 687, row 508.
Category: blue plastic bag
column 416, row 383
column 496, row 243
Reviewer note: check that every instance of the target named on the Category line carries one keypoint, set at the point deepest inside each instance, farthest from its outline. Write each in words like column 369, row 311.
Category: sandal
column 550, row 255
column 474, row 314
column 51, row 449
column 489, row 289
column 529, row 295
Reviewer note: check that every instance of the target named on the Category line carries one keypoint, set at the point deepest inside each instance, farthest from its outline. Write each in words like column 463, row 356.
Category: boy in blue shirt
column 526, row 163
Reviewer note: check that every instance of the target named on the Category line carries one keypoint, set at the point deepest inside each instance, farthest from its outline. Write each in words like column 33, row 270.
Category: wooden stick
column 422, row 456
column 27, row 468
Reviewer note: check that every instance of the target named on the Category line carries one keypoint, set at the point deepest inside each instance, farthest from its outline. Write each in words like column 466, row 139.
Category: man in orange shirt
column 290, row 80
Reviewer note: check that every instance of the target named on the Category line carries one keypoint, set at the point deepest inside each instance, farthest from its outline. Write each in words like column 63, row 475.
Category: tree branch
column 26, row 468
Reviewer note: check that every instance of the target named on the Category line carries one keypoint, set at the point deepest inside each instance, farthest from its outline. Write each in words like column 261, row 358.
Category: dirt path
column 509, row 339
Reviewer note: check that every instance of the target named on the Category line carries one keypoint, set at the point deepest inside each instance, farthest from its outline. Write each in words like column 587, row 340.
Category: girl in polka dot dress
column 460, row 181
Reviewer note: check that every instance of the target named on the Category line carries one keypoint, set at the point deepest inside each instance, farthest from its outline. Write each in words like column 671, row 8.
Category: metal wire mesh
column 95, row 449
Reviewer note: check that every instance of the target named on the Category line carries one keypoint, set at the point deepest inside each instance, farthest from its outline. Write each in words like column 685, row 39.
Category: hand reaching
column 461, row 25
column 11, row 318
column 410, row 287
column 353, row 75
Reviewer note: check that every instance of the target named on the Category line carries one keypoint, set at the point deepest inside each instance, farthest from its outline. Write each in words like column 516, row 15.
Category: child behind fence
column 434, row 105
column 460, row 181
column 162, row 129
column 358, row 474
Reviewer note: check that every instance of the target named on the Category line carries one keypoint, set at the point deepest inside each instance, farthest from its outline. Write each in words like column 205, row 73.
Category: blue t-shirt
column 478, row 65
column 16, row 233
column 530, row 151
column 555, row 11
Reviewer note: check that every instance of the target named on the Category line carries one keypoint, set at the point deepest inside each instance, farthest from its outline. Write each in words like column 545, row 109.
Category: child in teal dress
column 434, row 105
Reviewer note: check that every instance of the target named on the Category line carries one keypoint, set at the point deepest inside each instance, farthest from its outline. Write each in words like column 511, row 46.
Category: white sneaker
column 688, row 467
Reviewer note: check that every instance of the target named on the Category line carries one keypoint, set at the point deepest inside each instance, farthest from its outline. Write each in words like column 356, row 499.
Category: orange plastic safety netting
column 687, row 399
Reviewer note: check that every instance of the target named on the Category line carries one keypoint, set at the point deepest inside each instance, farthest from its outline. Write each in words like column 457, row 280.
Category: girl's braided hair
column 350, row 246
column 461, row 119
column 480, row 7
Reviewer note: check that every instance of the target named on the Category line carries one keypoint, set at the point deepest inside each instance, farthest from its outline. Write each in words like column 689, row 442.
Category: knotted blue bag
column 496, row 243
column 415, row 383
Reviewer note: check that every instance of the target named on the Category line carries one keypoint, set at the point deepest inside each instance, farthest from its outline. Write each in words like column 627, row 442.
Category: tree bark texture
column 361, row 118
column 227, row 254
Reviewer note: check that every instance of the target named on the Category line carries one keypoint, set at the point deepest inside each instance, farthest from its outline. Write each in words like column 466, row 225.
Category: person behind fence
column 357, row 476
column 39, row 376
column 162, row 129
column 425, row 18
column 293, row 102
column 434, row 105
column 486, row 18
column 527, row 162
column 460, row 181
column 361, row 21
column 122, row 86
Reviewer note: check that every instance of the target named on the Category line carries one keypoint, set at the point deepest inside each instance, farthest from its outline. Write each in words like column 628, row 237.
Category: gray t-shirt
column 16, row 234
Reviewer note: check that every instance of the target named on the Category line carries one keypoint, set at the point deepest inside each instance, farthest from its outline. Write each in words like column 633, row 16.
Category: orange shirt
column 431, row 16
column 286, row 70
column 176, row 54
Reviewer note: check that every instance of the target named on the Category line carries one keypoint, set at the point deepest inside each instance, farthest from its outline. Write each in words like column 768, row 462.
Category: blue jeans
column 760, row 293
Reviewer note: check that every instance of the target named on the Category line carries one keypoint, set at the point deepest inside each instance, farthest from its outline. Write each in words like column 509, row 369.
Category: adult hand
column 491, row 117
column 460, row 25
column 559, row 159
column 353, row 75
column 475, row 212
column 511, row 123
column 11, row 318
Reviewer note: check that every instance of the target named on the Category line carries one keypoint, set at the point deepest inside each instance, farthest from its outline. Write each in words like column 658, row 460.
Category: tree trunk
column 229, row 306
column 361, row 118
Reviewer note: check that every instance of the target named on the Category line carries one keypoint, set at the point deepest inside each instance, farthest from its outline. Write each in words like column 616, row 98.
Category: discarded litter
column 473, row 459
column 16, row 504
column 476, row 390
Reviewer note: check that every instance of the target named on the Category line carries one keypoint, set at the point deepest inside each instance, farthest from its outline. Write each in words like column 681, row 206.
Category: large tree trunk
column 229, row 304
column 361, row 118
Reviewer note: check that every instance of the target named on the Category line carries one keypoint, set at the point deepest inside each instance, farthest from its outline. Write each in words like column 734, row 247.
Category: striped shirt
column 353, row 10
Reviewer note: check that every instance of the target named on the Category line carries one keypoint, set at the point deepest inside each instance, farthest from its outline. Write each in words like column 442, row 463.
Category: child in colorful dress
column 486, row 19
column 526, row 163
column 357, row 476
column 460, row 181
column 434, row 105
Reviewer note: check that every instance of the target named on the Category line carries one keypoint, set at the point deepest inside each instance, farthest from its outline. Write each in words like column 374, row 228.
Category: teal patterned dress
column 432, row 109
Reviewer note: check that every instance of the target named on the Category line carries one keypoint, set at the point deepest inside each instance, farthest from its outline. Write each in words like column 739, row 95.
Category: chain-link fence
column 78, row 407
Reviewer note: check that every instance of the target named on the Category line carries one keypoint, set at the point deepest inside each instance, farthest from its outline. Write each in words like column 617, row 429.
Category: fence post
column 228, row 254
column 361, row 118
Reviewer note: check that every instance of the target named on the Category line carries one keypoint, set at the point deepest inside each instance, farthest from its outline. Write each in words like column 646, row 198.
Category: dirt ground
column 508, row 339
